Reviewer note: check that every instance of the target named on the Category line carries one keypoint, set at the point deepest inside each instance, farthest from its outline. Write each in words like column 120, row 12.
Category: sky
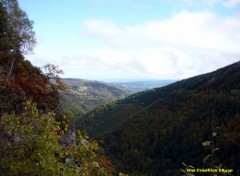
column 134, row 39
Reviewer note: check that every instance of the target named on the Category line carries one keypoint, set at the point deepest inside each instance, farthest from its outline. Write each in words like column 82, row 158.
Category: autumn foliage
column 30, row 145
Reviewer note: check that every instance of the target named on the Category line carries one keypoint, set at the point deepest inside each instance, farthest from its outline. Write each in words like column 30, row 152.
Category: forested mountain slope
column 153, row 132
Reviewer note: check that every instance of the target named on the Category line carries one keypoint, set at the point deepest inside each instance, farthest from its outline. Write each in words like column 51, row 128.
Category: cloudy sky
column 135, row 39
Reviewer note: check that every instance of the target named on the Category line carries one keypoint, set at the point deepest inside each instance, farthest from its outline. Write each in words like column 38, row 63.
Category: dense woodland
column 194, row 122
column 153, row 132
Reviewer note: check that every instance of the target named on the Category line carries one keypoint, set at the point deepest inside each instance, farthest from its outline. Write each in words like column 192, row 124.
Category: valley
column 82, row 96
column 143, row 119
column 153, row 132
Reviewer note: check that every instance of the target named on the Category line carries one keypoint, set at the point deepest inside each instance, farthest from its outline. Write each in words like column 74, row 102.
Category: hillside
column 153, row 132
column 84, row 95
column 36, row 138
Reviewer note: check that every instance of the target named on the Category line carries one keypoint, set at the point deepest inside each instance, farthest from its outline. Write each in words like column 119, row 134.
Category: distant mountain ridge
column 142, row 85
column 153, row 132
column 84, row 95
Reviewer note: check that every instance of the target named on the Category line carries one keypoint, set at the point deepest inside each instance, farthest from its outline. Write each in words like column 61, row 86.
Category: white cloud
column 203, row 30
column 186, row 44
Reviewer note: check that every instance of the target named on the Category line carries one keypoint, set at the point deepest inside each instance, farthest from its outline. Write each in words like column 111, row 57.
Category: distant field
column 84, row 95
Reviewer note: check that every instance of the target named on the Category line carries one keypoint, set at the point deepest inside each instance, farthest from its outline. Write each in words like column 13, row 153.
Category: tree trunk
column 11, row 68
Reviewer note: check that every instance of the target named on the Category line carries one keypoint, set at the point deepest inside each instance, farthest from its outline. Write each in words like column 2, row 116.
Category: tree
column 19, row 79
column 16, row 34
column 52, row 72
column 16, row 29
